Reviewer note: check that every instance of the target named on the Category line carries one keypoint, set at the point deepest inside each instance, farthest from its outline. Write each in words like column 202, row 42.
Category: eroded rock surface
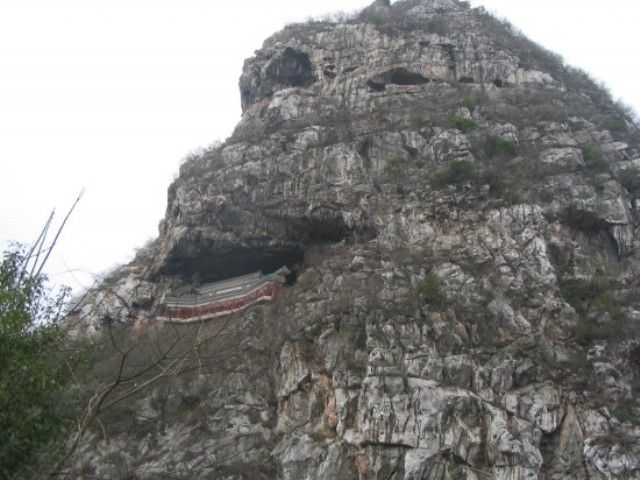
column 455, row 207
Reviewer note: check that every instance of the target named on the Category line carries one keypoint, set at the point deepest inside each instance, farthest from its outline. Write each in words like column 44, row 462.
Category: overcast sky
column 109, row 95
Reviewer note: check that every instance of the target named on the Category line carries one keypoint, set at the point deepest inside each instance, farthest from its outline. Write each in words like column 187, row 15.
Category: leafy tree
column 51, row 392
column 34, row 373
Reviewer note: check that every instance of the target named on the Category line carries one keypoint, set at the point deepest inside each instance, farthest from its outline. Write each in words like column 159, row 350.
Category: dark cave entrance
column 199, row 260
column 292, row 68
column 205, row 267
column 396, row 76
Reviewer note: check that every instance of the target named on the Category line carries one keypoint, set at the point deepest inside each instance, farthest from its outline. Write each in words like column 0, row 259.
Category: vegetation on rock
column 593, row 157
column 430, row 289
column 462, row 123
column 457, row 173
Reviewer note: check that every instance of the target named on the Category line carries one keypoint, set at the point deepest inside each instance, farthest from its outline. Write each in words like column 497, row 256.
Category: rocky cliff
column 460, row 211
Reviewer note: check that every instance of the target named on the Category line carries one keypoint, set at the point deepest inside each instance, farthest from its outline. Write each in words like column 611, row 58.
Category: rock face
column 460, row 212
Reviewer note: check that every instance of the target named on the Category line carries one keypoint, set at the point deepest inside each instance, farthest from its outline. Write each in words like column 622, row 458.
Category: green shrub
column 498, row 147
column 630, row 179
column 619, row 317
column 469, row 102
column 430, row 289
column 616, row 124
column 511, row 195
column 264, row 90
column 458, row 172
column 586, row 332
column 584, row 294
column 627, row 411
column 593, row 157
column 437, row 25
column 397, row 166
column 526, row 59
column 376, row 18
column 594, row 296
column 461, row 169
column 462, row 123
column 589, row 330
column 496, row 185
column 546, row 196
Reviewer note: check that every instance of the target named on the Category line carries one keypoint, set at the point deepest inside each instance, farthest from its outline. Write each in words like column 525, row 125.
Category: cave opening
column 205, row 266
column 584, row 220
column 291, row 68
column 396, row 76
column 198, row 261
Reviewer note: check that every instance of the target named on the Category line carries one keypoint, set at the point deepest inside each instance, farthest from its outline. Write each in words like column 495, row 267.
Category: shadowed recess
column 206, row 260
column 292, row 68
column 396, row 76
column 207, row 264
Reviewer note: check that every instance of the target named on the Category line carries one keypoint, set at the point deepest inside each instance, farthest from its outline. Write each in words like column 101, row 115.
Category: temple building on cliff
column 221, row 298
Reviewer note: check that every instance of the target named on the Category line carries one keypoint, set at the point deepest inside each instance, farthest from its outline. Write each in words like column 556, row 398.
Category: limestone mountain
column 460, row 213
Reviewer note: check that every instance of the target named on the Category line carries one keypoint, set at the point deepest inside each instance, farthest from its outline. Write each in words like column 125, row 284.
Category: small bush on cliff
column 397, row 166
column 509, row 193
column 616, row 124
column 627, row 410
column 611, row 327
column 469, row 102
column 593, row 157
column 582, row 295
column 601, row 314
column 457, row 173
column 374, row 17
column 462, row 123
column 526, row 59
column 437, row 25
column 630, row 179
column 430, row 289
column 498, row 147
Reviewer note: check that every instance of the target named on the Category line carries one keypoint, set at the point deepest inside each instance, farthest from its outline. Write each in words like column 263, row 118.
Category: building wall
column 188, row 313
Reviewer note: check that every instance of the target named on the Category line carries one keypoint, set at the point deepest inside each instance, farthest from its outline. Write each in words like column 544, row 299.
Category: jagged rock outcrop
column 460, row 211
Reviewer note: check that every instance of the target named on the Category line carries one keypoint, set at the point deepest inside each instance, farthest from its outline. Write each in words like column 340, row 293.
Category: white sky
column 109, row 95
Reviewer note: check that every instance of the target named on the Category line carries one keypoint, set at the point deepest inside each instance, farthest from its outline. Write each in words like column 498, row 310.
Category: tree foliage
column 35, row 369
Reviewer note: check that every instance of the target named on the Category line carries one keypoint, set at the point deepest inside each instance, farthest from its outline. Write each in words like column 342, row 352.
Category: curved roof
column 224, row 289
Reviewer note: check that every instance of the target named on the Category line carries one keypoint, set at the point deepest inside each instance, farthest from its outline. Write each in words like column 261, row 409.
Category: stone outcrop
column 453, row 202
